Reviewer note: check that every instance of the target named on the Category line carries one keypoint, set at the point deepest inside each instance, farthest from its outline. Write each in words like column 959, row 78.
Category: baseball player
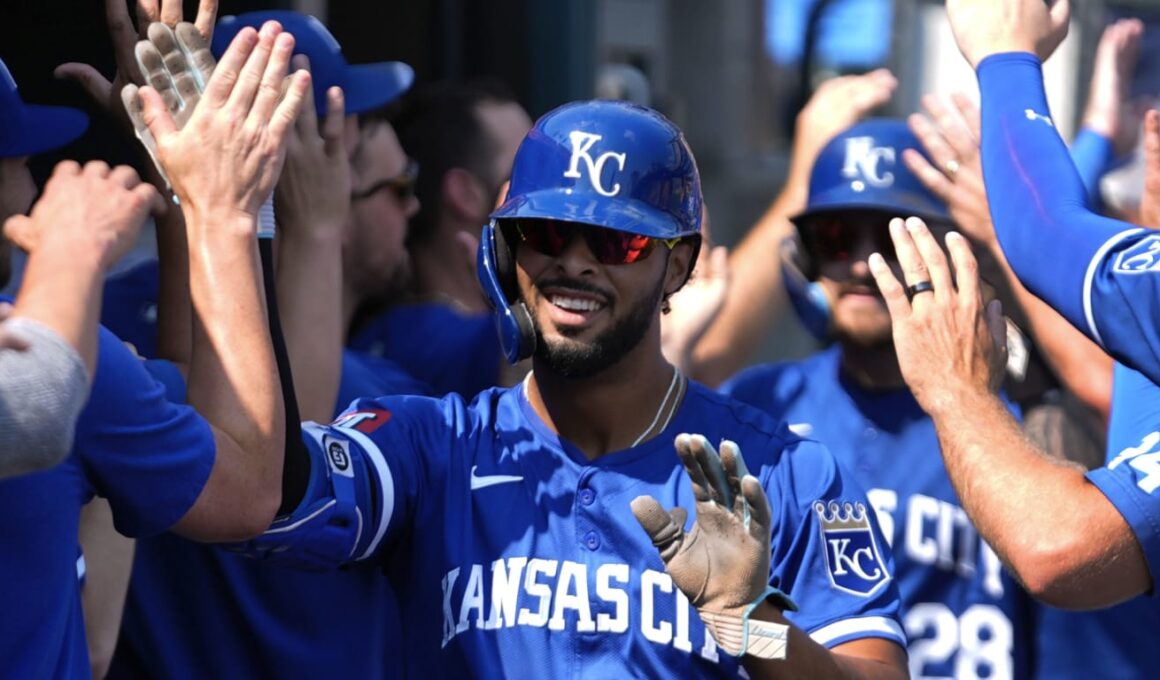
column 160, row 465
column 508, row 522
column 963, row 615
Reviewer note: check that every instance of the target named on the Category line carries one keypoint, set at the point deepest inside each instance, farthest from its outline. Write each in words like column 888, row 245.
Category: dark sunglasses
column 834, row 239
column 402, row 184
column 608, row 246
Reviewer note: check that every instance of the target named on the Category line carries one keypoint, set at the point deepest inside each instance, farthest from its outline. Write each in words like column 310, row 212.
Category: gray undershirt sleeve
column 42, row 391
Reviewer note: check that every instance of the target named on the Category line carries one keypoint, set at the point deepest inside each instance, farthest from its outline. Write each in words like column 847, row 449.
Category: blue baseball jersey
column 514, row 552
column 1101, row 274
column 150, row 458
column 449, row 350
column 964, row 616
column 268, row 621
column 129, row 306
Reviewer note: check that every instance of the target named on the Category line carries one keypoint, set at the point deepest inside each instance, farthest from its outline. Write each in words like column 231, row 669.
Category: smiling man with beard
column 964, row 616
column 513, row 525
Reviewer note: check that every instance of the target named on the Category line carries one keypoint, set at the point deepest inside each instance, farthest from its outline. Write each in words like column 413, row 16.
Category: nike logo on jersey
column 484, row 481
column 801, row 429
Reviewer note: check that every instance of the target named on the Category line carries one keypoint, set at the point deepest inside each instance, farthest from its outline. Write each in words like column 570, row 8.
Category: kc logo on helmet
column 868, row 164
column 582, row 152
column 853, row 561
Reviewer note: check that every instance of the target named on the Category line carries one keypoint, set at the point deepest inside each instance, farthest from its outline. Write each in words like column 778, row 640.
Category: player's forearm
column 805, row 658
column 1038, row 513
column 1037, row 199
column 62, row 291
column 108, row 564
column 755, row 299
column 233, row 379
column 309, row 281
column 174, row 309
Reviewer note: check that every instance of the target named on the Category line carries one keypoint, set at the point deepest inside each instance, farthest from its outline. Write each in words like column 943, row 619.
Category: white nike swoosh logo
column 478, row 482
column 801, row 429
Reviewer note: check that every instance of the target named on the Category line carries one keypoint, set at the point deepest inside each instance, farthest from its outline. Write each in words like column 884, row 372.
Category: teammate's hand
column 226, row 159
column 1109, row 111
column 124, row 38
column 177, row 64
column 950, row 135
column 722, row 564
column 694, row 307
column 313, row 194
column 985, row 27
column 94, row 211
column 1150, row 200
column 837, row 104
column 950, row 345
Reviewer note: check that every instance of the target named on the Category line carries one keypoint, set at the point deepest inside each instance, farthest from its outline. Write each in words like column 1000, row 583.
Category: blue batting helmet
column 860, row 169
column 604, row 163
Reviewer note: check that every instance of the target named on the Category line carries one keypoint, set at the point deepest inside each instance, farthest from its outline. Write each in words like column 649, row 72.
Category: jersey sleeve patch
column 854, row 562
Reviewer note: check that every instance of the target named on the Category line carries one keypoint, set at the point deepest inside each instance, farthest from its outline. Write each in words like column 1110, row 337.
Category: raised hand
column 837, row 104
column 950, row 134
column 722, row 564
column 227, row 157
column 313, row 194
column 1109, row 111
column 985, row 27
column 124, row 38
column 96, row 210
column 950, row 345
column 1150, row 200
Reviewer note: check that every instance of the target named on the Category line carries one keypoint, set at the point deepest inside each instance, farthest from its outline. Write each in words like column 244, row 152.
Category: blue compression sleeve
column 1099, row 273
column 1093, row 157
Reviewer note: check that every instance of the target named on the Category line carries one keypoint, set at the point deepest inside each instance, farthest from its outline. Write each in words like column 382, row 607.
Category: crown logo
column 845, row 516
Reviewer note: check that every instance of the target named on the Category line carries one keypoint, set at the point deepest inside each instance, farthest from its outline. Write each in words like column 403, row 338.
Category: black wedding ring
column 920, row 287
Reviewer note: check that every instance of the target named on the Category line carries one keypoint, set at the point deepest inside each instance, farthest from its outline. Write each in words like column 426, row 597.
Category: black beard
column 575, row 360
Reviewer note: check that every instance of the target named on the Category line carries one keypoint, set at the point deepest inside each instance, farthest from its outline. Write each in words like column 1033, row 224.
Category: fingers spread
column 155, row 74
column 711, row 466
column 760, row 515
column 913, row 267
column 966, row 267
column 273, row 77
column 297, row 96
column 250, row 75
column 225, row 75
column 892, row 292
column 931, row 177
column 197, row 51
column 969, row 112
column 664, row 529
column 933, row 258
column 702, row 489
column 206, row 17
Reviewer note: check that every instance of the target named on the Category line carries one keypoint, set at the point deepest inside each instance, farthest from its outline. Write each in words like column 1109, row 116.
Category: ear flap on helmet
column 495, row 266
column 806, row 295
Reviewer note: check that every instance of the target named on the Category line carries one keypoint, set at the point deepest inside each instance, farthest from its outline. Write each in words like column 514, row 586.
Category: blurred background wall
column 731, row 73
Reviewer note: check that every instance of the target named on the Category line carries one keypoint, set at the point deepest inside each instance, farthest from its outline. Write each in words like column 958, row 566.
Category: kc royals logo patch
column 1142, row 258
column 853, row 560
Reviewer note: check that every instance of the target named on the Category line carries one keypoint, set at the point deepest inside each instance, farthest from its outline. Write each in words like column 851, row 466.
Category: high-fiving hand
column 229, row 153
column 722, row 564
column 986, row 27
column 950, row 344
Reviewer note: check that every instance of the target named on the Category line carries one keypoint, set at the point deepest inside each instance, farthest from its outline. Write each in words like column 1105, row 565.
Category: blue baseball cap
column 364, row 86
column 29, row 129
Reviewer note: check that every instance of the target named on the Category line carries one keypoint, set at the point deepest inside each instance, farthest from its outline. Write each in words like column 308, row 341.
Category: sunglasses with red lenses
column 608, row 246
column 837, row 238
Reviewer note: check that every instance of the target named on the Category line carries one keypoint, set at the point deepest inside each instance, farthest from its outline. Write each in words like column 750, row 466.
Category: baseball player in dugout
column 548, row 528
column 964, row 616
